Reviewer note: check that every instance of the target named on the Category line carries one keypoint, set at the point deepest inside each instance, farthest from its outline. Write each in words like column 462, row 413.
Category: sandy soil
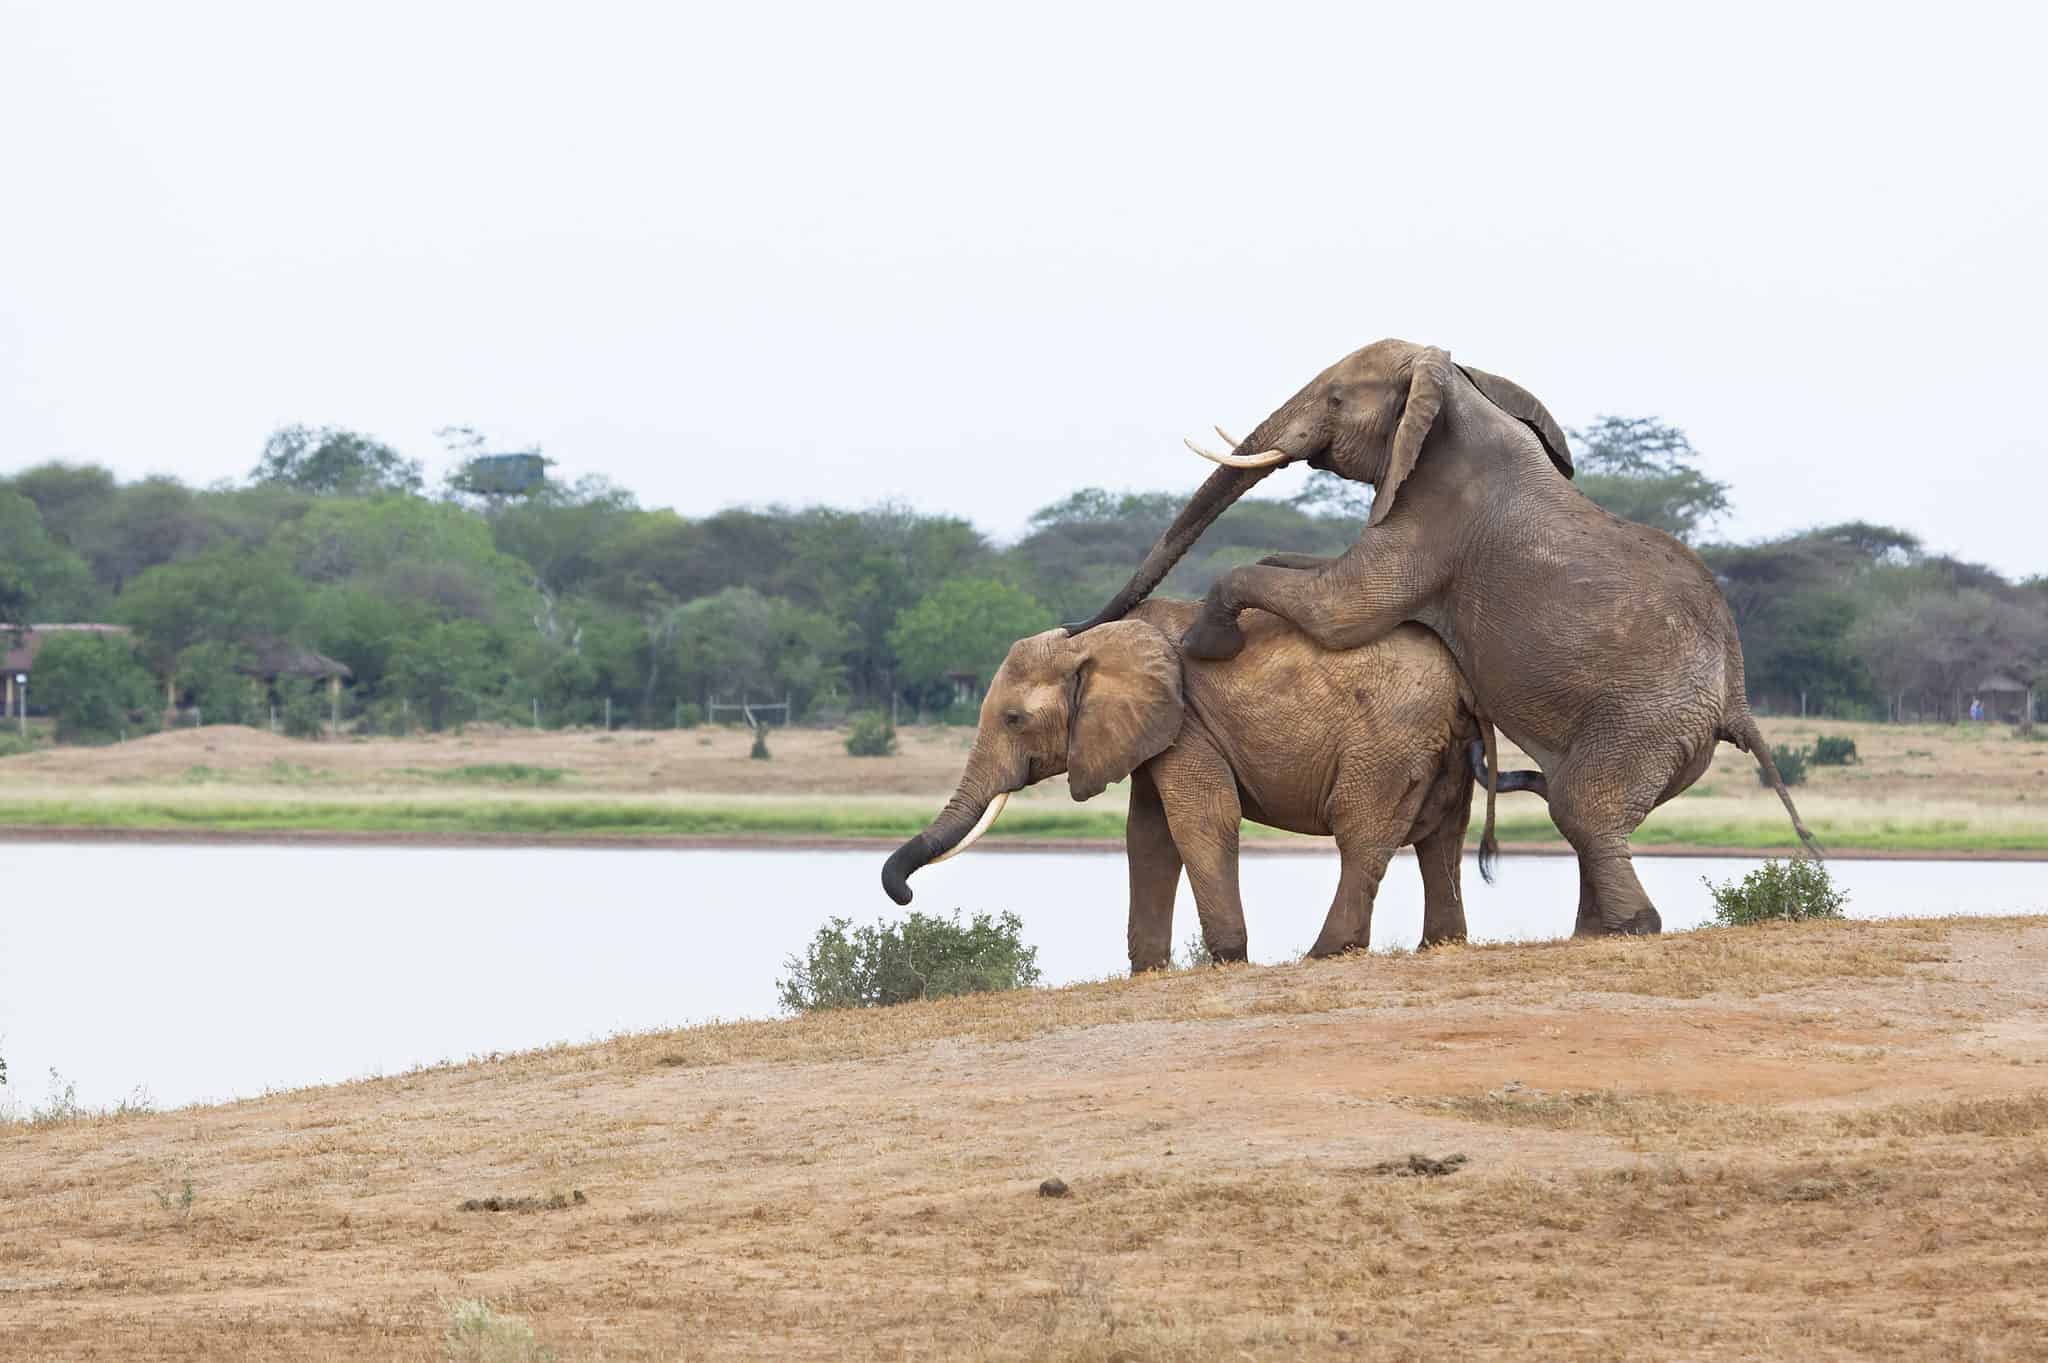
column 1814, row 1142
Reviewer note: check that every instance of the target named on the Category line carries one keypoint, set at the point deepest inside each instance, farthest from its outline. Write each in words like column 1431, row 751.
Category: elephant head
column 1365, row 417
column 1095, row 708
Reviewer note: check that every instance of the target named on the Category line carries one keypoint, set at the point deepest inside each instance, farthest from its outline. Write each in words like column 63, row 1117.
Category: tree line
column 568, row 600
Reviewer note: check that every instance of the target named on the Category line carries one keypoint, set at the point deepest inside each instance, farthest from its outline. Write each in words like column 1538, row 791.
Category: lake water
column 218, row 972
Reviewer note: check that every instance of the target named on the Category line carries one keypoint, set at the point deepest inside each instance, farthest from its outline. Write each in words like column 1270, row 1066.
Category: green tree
column 40, row 579
column 560, row 533
column 1645, row 470
column 215, row 677
column 155, row 521
column 227, row 595
column 738, row 642
column 449, row 671
column 967, row 625
column 74, row 500
column 328, row 461
column 93, row 683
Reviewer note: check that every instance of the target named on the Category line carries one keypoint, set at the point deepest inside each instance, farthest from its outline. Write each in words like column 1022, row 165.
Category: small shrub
column 689, row 716
column 174, row 1196
column 1195, row 952
column 1777, row 892
column 872, row 735
column 1791, row 764
column 922, row 957
column 478, row 1334
column 961, row 714
column 14, row 745
column 759, row 752
column 1830, row 751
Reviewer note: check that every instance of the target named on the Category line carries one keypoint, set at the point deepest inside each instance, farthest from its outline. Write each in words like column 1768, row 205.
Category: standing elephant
column 1371, row 745
column 1603, row 648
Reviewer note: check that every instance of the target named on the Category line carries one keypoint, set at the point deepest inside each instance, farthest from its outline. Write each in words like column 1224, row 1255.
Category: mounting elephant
column 1603, row 648
column 1376, row 745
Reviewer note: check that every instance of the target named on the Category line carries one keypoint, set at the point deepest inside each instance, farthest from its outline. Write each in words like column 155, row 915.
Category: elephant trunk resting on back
column 1376, row 746
column 1603, row 648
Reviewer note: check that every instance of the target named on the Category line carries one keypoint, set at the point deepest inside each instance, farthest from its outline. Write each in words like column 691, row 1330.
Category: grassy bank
column 1685, row 826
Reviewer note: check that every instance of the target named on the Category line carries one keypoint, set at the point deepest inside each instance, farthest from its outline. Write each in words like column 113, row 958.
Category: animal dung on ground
column 1053, row 1187
column 1417, row 1166
column 553, row 1202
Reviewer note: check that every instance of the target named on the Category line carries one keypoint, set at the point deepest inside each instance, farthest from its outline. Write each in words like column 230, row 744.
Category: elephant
column 1377, row 745
column 1603, row 648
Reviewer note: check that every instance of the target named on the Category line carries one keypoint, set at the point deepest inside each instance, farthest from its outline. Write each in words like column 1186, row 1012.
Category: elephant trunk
column 967, row 813
column 1215, row 496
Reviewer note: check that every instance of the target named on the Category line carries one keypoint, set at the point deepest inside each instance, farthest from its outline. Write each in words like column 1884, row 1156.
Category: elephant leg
column 1441, row 856
column 1596, row 808
column 1348, row 927
column 1199, row 793
column 1380, row 581
column 1588, row 924
column 1155, row 875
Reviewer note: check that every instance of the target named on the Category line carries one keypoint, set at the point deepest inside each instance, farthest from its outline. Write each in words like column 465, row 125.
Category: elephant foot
column 1213, row 639
column 1647, row 922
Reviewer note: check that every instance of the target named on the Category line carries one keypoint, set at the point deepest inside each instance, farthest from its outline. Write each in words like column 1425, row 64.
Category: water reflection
column 214, row 972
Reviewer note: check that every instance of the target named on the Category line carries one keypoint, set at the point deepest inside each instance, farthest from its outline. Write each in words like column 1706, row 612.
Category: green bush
column 689, row 716
column 1791, row 764
column 211, row 674
column 1829, row 751
column 961, row 714
column 1777, row 892
column 872, row 735
column 94, row 686
column 302, row 707
column 922, row 957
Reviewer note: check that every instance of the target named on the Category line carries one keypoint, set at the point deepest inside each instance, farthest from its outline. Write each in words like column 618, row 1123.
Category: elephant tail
column 1743, row 733
column 1485, row 759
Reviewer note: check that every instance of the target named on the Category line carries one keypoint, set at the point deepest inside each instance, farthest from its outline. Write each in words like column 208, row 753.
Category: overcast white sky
column 974, row 257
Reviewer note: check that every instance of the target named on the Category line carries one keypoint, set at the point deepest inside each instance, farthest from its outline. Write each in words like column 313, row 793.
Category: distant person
column 1977, row 709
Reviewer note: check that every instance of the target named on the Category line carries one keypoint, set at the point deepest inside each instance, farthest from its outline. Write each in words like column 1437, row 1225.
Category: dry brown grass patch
column 2024, row 1114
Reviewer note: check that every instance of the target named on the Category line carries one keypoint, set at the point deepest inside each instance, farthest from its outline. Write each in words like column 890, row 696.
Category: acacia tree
column 1645, row 470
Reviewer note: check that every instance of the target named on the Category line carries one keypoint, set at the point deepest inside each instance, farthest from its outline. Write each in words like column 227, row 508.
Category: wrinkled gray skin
column 1369, row 745
column 1603, row 648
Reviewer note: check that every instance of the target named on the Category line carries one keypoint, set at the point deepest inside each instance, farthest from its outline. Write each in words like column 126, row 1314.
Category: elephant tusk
column 1240, row 461
column 1228, row 438
column 988, row 816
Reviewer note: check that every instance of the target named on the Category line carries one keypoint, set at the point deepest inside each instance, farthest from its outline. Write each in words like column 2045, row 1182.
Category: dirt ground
column 1824, row 1141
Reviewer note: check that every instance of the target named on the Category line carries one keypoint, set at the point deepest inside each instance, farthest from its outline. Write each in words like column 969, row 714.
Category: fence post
column 607, row 714
column 536, row 712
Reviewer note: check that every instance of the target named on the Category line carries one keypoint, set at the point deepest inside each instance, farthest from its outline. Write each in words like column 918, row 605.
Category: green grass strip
column 824, row 820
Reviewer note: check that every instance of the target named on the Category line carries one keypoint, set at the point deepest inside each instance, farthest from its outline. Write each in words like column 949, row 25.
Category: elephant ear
column 1521, row 404
column 1127, row 704
column 1429, row 378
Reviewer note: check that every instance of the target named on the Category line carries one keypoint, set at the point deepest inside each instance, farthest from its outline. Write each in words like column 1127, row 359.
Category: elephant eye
column 1013, row 718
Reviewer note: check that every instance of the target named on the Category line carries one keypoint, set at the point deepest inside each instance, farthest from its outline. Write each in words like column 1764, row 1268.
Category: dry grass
column 1800, row 1164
